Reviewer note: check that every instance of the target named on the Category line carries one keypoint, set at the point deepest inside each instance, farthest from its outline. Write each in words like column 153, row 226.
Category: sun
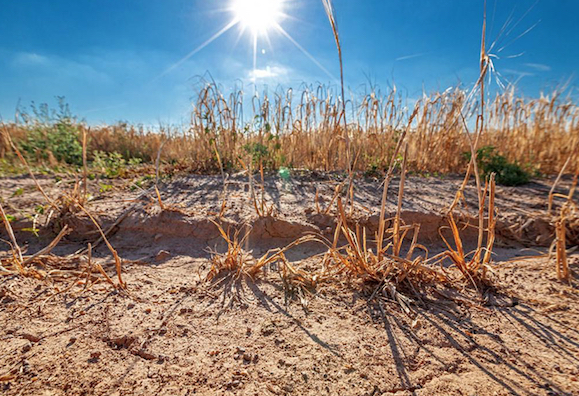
column 258, row 15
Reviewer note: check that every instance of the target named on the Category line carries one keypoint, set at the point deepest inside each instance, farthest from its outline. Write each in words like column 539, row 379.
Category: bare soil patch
column 174, row 333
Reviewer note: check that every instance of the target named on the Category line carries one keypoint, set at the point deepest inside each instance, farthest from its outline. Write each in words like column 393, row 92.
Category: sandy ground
column 173, row 333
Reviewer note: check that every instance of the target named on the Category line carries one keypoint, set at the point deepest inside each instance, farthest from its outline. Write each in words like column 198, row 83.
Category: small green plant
column 257, row 151
column 32, row 230
column 111, row 164
column 507, row 173
column 18, row 192
column 373, row 170
column 55, row 133
column 105, row 187
column 135, row 162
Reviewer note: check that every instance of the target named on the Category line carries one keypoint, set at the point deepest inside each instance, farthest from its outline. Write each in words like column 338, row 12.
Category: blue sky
column 109, row 58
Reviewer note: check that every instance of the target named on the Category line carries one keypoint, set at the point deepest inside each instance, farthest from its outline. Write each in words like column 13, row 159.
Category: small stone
column 416, row 324
column 31, row 337
column 162, row 255
column 268, row 330
column 146, row 355
column 94, row 357
column 247, row 357
column 25, row 368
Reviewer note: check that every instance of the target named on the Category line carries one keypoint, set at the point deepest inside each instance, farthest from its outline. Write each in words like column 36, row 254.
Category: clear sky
column 120, row 59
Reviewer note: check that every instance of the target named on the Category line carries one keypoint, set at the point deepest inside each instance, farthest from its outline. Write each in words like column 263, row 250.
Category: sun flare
column 258, row 15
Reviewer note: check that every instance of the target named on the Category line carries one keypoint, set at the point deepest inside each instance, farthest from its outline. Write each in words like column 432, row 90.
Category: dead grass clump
column 357, row 262
column 384, row 266
column 43, row 265
column 566, row 223
column 475, row 265
column 236, row 267
column 237, row 263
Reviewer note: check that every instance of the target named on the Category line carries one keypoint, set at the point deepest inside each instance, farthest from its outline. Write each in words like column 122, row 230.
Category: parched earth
column 174, row 333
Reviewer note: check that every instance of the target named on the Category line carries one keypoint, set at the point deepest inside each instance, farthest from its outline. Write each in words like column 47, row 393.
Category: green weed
column 507, row 173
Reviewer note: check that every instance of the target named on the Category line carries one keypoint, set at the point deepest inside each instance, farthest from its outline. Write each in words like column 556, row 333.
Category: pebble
column 162, row 255
column 31, row 337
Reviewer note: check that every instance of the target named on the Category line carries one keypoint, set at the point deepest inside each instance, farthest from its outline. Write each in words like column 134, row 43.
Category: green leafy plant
column 507, row 173
column 55, row 133
column 135, row 161
column 257, row 151
column 111, row 164
column 105, row 187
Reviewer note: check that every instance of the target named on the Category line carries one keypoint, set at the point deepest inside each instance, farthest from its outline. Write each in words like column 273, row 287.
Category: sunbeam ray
column 196, row 50
column 305, row 52
column 254, row 53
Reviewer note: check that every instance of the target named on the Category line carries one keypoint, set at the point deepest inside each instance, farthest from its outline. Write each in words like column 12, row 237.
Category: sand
column 174, row 333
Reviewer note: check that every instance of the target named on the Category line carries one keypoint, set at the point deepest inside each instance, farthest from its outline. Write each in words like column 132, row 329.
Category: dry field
column 303, row 129
column 193, row 308
column 291, row 243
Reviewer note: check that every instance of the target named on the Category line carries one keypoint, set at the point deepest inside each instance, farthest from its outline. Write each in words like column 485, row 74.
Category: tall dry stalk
column 16, row 252
column 329, row 8
column 562, row 265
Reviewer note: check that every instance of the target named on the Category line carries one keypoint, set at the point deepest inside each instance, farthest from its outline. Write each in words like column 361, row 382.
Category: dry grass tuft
column 236, row 262
column 43, row 265
column 357, row 262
